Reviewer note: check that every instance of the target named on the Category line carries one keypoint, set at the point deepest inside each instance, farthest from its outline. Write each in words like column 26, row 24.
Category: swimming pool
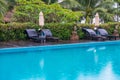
column 79, row 61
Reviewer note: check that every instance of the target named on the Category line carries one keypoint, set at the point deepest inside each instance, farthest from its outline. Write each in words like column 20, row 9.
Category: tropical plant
column 70, row 4
column 50, row 1
column 103, row 7
column 3, row 7
column 28, row 11
column 11, row 4
column 90, row 7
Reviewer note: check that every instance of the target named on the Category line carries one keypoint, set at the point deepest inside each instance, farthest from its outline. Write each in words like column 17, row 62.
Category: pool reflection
column 84, row 63
column 106, row 73
column 92, row 64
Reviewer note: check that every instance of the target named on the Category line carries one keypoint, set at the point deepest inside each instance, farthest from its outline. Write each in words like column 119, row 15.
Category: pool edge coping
column 57, row 46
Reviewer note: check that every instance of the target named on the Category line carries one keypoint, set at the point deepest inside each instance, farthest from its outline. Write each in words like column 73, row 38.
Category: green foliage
column 110, row 27
column 63, row 31
column 11, row 4
column 91, row 7
column 25, row 2
column 15, row 31
column 28, row 11
column 3, row 8
column 49, row 1
column 70, row 4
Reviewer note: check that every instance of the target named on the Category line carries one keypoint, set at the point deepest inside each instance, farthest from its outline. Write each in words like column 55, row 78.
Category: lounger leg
column 44, row 40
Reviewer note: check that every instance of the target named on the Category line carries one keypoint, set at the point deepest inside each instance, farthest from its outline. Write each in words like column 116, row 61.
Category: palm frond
column 3, row 6
column 106, row 4
column 99, row 10
column 70, row 4
column 108, row 17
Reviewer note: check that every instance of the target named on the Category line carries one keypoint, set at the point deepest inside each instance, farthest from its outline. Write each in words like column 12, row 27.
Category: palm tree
column 90, row 7
column 3, row 7
column 103, row 7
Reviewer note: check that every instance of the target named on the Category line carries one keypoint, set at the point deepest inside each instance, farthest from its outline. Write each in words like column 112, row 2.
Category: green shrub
column 28, row 11
column 15, row 31
column 63, row 31
column 110, row 27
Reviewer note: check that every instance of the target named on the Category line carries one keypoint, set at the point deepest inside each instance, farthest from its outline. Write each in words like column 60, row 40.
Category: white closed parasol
column 41, row 19
column 97, row 20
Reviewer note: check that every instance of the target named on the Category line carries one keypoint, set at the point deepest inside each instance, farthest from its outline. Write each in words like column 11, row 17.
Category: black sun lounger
column 104, row 33
column 49, row 36
column 91, row 34
column 32, row 34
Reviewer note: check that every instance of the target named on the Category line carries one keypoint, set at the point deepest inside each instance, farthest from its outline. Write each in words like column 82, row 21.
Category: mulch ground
column 8, row 44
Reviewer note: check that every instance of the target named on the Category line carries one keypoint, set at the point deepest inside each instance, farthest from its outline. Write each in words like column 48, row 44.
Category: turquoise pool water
column 86, row 61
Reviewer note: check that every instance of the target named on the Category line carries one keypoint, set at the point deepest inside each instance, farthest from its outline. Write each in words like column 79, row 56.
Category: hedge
column 15, row 31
